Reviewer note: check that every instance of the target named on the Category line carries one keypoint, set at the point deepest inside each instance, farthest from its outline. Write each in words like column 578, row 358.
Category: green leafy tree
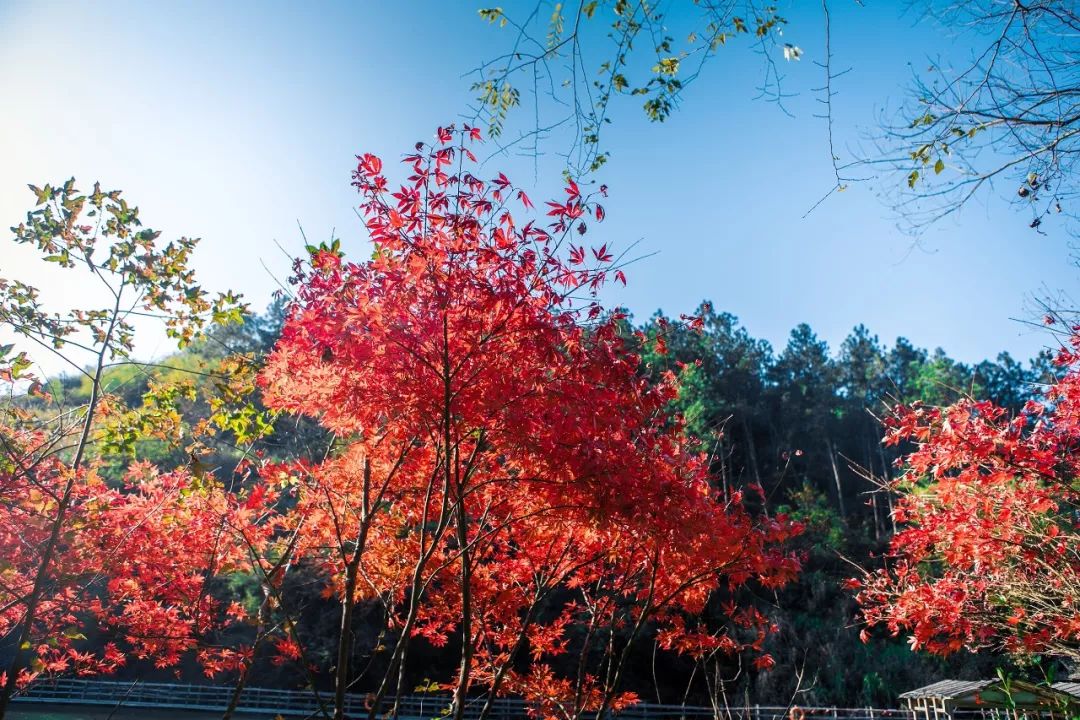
column 723, row 387
column 805, row 387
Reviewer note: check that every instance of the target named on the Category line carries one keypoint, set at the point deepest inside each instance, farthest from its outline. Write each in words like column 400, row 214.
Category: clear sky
column 235, row 121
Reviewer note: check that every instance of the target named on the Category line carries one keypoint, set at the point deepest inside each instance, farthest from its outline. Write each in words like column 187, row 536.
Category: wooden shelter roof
column 993, row 693
column 948, row 689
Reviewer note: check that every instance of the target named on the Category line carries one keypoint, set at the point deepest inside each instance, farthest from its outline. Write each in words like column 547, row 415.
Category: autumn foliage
column 137, row 560
column 989, row 555
column 505, row 480
column 507, row 471
column 97, row 572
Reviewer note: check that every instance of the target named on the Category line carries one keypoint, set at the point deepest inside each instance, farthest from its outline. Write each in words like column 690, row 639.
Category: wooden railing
column 269, row 702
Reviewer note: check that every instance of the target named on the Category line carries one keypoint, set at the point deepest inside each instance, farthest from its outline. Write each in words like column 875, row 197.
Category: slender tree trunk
column 751, row 450
column 344, row 649
column 465, row 670
column 723, row 467
column 348, row 605
column 399, row 691
column 245, row 672
column 453, row 479
column 582, row 661
column 836, row 477
column 234, row 699
column 877, row 516
column 416, row 585
column 689, row 685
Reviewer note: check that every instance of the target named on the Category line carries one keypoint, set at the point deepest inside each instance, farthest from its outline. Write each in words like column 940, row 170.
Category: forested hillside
column 800, row 422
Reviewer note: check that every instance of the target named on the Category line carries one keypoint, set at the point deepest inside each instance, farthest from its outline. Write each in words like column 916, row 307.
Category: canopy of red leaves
column 134, row 562
column 502, row 440
column 990, row 553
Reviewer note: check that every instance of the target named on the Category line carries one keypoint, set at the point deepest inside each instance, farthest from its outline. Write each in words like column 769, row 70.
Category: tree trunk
column 245, row 672
column 352, row 573
column 453, row 479
column 723, row 467
column 465, row 671
column 344, row 649
column 751, row 450
column 836, row 477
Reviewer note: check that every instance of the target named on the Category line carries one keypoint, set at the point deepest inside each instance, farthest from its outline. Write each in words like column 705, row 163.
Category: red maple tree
column 505, row 469
column 989, row 555
column 135, row 563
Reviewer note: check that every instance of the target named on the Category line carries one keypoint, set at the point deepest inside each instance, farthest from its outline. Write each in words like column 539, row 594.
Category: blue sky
column 235, row 121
